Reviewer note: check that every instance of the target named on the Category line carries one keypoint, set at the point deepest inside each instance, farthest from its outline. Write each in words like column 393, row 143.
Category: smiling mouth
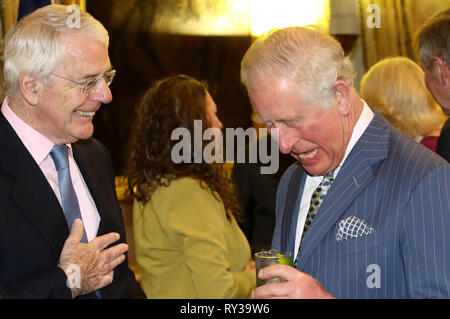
column 308, row 155
column 85, row 113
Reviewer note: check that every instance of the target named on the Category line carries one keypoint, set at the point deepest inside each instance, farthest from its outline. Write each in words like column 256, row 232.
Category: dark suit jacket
column 382, row 229
column 2, row 294
column 33, row 228
column 256, row 193
column 443, row 147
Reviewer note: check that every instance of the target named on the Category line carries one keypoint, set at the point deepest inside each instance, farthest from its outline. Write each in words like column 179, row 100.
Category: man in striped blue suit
column 381, row 229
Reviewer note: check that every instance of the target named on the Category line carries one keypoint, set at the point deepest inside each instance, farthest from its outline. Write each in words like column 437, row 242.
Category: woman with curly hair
column 187, row 241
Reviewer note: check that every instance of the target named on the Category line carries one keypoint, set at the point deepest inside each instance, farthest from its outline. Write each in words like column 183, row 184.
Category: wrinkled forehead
column 276, row 100
column 79, row 51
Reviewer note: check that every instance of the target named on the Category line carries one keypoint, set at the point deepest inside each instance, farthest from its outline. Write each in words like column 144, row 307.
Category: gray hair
column 433, row 38
column 312, row 60
column 33, row 44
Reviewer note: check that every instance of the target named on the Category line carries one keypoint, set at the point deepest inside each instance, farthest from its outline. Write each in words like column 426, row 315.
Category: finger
column 104, row 241
column 110, row 266
column 116, row 262
column 110, row 254
column 106, row 280
column 76, row 232
column 272, row 290
column 282, row 271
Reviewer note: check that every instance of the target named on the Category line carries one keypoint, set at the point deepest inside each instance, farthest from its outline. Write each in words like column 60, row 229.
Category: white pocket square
column 352, row 227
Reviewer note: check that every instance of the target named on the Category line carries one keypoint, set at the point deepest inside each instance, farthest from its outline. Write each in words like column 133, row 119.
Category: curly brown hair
column 173, row 102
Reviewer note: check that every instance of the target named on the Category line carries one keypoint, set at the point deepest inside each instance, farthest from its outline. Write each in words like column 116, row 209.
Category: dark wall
column 141, row 57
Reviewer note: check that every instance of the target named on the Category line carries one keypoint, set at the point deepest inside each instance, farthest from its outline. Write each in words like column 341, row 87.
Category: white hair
column 33, row 44
column 312, row 60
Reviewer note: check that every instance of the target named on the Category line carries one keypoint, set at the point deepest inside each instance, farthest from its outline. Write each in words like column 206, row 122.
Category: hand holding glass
column 267, row 258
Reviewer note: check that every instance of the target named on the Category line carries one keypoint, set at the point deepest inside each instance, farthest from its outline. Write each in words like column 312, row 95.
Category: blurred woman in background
column 396, row 88
column 188, row 243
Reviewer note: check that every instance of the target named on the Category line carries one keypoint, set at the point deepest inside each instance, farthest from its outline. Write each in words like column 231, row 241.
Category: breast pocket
column 365, row 243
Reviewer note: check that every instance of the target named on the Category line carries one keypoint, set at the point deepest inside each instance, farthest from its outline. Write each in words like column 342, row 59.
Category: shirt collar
column 363, row 122
column 36, row 143
column 361, row 125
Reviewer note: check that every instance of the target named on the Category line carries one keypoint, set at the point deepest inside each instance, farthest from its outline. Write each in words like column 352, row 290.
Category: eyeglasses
column 89, row 86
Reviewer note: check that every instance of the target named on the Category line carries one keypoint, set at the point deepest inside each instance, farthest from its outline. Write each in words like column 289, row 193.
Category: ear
column 30, row 88
column 444, row 72
column 342, row 97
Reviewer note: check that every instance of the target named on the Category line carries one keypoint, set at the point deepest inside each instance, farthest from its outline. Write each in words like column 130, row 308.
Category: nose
column 102, row 93
column 215, row 122
column 219, row 124
column 285, row 140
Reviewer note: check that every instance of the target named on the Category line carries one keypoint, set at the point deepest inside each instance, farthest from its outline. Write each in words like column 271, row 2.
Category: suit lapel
column 290, row 215
column 31, row 190
column 355, row 175
column 95, row 178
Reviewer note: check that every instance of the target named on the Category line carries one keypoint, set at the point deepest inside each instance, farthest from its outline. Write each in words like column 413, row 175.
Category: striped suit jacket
column 382, row 231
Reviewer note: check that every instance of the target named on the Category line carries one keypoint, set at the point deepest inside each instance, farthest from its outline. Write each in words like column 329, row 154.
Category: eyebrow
column 95, row 75
column 292, row 120
column 286, row 120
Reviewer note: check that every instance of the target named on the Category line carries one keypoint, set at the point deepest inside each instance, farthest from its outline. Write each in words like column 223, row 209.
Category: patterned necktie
column 317, row 199
column 69, row 200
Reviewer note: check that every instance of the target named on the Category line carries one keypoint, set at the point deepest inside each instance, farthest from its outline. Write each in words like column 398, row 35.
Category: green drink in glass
column 267, row 258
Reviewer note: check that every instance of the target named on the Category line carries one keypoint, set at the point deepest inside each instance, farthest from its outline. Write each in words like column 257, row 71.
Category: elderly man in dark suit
column 60, row 221
column 434, row 51
column 365, row 210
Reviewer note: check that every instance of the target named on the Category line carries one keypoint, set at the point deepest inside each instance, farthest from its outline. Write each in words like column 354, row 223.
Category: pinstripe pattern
column 401, row 190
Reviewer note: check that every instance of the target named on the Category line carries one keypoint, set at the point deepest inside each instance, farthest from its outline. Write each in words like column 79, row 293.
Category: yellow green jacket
column 186, row 248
